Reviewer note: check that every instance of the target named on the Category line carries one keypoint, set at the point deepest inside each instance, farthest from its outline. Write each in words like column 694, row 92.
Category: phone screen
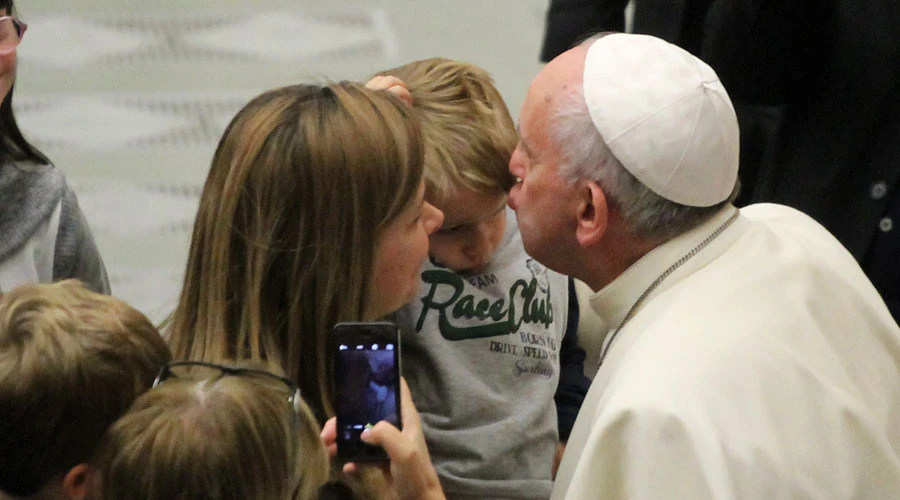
column 367, row 376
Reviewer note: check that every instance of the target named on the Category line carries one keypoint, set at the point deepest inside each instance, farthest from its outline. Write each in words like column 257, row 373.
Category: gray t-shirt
column 481, row 355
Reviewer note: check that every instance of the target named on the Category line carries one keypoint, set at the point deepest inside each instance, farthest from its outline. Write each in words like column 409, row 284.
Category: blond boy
column 486, row 345
column 71, row 362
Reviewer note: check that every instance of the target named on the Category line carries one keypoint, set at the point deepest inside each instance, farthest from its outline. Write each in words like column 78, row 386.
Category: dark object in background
column 676, row 21
column 834, row 70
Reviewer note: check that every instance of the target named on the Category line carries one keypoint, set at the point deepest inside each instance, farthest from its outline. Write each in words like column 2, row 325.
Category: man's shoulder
column 684, row 363
column 787, row 220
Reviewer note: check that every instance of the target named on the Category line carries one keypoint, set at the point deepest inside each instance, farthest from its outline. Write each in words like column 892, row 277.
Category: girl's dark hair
column 13, row 146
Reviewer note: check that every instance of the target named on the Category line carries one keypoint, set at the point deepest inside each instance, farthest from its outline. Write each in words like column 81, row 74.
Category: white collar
column 613, row 302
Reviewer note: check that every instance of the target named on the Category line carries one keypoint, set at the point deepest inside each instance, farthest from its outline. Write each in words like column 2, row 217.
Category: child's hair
column 301, row 186
column 71, row 362
column 469, row 134
column 224, row 437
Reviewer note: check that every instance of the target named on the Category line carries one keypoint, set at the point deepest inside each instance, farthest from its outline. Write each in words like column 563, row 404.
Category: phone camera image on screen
column 367, row 385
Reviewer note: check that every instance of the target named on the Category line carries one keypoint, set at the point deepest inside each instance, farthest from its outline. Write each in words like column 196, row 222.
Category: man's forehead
column 565, row 70
column 561, row 76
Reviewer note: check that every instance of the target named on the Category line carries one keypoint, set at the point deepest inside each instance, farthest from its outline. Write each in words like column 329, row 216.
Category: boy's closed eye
column 452, row 229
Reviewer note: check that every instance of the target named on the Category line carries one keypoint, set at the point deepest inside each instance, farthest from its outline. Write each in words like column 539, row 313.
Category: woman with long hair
column 312, row 214
column 43, row 234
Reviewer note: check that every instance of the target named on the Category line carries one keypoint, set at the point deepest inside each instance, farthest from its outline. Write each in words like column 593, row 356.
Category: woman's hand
column 393, row 85
column 412, row 475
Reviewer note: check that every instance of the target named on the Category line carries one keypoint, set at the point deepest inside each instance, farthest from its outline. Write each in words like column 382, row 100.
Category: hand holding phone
column 367, row 391
column 411, row 472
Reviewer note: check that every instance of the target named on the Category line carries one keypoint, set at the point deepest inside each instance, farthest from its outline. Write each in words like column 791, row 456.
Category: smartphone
column 367, row 384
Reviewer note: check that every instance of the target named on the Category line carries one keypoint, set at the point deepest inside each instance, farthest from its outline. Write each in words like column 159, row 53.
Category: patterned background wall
column 130, row 97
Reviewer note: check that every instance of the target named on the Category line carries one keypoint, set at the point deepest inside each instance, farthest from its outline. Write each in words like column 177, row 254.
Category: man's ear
column 593, row 214
column 79, row 482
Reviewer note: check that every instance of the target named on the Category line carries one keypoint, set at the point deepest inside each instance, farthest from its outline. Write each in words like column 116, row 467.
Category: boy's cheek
column 441, row 251
column 447, row 253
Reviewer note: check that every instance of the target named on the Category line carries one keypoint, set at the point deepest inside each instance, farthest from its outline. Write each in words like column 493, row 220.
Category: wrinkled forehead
column 559, row 77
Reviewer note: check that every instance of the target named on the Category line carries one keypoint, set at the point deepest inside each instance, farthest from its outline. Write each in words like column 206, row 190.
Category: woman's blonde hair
column 468, row 131
column 301, row 186
column 228, row 437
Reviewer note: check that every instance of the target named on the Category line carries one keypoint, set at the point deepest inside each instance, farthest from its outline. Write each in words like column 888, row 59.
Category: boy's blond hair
column 227, row 437
column 71, row 362
column 469, row 133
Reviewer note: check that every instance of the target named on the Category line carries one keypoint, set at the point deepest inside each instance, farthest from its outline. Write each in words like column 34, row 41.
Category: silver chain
column 686, row 257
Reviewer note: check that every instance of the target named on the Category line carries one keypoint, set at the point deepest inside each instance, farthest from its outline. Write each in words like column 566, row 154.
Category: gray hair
column 585, row 155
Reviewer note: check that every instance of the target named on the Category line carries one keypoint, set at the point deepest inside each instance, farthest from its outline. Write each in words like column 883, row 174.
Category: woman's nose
column 434, row 218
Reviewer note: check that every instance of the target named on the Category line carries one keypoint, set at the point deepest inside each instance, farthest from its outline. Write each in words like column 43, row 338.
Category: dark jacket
column 833, row 68
column 570, row 21
column 573, row 385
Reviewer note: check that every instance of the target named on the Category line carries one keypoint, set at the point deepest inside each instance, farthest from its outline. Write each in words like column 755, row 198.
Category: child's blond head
column 229, row 437
column 469, row 134
column 71, row 362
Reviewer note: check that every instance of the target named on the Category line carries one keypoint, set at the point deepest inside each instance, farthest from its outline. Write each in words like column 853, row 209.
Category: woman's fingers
column 411, row 473
column 329, row 436
column 390, row 438
column 384, row 82
column 393, row 85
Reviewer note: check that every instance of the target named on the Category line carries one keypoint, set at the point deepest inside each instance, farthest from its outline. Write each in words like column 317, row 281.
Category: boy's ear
column 79, row 482
column 593, row 214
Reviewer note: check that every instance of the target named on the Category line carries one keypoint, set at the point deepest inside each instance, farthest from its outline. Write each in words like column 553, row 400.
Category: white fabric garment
column 766, row 367
column 33, row 262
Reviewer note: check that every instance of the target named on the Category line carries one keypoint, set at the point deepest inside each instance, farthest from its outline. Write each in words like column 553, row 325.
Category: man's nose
column 515, row 163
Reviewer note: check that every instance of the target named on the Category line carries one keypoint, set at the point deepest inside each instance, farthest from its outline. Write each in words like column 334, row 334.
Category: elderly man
column 748, row 355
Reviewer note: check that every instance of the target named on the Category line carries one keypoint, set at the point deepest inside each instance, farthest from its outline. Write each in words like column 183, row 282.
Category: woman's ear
column 593, row 214
column 80, row 482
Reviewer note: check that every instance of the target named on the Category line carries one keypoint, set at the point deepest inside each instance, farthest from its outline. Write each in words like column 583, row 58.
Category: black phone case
column 351, row 334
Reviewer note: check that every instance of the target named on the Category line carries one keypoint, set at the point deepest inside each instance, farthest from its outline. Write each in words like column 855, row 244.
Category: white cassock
column 765, row 367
